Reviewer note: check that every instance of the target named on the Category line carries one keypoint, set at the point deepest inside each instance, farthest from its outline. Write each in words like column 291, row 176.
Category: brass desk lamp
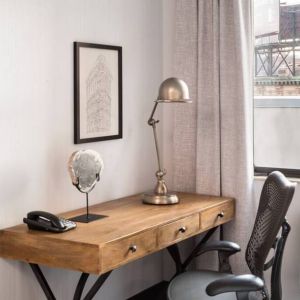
column 172, row 90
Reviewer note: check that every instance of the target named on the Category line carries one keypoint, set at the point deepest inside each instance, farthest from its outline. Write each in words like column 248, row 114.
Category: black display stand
column 87, row 218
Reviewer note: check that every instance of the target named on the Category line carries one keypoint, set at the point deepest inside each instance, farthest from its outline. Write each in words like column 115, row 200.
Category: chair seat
column 192, row 285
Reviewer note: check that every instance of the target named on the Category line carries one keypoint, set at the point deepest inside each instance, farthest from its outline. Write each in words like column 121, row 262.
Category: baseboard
column 155, row 292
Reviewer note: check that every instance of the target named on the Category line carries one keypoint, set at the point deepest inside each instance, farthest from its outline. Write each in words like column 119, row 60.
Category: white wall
column 36, row 122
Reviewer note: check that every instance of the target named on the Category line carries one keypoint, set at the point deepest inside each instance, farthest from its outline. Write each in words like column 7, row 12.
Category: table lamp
column 172, row 90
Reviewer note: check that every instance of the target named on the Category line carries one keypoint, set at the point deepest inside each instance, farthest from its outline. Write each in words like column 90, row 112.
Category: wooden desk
column 132, row 230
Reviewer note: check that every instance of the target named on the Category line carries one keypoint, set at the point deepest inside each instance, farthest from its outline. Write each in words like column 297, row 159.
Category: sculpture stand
column 87, row 218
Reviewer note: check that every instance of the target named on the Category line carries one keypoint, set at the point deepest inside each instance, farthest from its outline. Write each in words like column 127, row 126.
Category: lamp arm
column 151, row 119
column 152, row 122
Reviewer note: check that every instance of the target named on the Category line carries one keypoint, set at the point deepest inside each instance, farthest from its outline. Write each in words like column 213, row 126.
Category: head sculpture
column 85, row 167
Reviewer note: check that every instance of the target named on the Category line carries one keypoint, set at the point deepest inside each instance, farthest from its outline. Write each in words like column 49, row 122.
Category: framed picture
column 97, row 92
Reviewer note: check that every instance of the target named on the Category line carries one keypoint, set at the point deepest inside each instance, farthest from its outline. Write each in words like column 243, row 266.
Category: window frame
column 265, row 171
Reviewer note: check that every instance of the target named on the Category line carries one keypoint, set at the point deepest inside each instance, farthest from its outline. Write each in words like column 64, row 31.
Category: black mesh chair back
column 275, row 199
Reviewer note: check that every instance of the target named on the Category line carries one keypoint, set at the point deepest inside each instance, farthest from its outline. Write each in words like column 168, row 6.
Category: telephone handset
column 42, row 220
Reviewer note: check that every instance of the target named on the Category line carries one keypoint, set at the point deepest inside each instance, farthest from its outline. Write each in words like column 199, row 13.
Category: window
column 277, row 86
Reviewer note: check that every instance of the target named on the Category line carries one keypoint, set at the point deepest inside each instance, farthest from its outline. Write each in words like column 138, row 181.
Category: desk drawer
column 121, row 251
column 178, row 230
column 217, row 215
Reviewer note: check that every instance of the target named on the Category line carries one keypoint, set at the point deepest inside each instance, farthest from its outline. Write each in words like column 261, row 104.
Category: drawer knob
column 182, row 229
column 133, row 248
column 221, row 214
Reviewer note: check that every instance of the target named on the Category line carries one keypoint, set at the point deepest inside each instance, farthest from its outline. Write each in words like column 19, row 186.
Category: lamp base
column 152, row 198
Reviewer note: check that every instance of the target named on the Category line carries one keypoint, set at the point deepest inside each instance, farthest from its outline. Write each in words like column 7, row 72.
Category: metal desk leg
column 175, row 254
column 197, row 248
column 42, row 281
column 80, row 286
column 97, row 285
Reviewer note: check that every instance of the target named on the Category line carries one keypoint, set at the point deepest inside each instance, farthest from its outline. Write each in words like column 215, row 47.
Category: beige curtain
column 213, row 136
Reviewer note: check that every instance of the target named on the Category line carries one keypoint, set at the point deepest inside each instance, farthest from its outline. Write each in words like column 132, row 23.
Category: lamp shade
column 173, row 90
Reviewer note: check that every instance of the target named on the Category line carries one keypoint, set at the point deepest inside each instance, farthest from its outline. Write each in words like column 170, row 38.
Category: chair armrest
column 225, row 249
column 239, row 283
column 224, row 246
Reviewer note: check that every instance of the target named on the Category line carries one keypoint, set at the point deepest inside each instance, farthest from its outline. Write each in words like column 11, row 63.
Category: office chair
column 275, row 199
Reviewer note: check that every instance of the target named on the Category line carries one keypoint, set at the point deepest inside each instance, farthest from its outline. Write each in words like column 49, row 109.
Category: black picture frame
column 97, row 92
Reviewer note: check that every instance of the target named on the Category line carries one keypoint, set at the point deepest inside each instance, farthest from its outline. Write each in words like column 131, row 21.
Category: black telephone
column 42, row 220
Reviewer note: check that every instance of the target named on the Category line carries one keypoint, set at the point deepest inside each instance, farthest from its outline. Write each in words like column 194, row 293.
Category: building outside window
column 277, row 86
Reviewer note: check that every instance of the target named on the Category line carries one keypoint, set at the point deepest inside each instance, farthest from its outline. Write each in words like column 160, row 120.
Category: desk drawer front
column 124, row 250
column 217, row 215
column 178, row 230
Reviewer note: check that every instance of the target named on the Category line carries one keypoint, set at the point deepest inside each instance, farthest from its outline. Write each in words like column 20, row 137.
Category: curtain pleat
column 236, row 98
column 208, row 109
column 185, row 115
column 213, row 136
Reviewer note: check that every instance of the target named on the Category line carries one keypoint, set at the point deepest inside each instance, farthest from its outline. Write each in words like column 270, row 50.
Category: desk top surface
column 125, row 216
